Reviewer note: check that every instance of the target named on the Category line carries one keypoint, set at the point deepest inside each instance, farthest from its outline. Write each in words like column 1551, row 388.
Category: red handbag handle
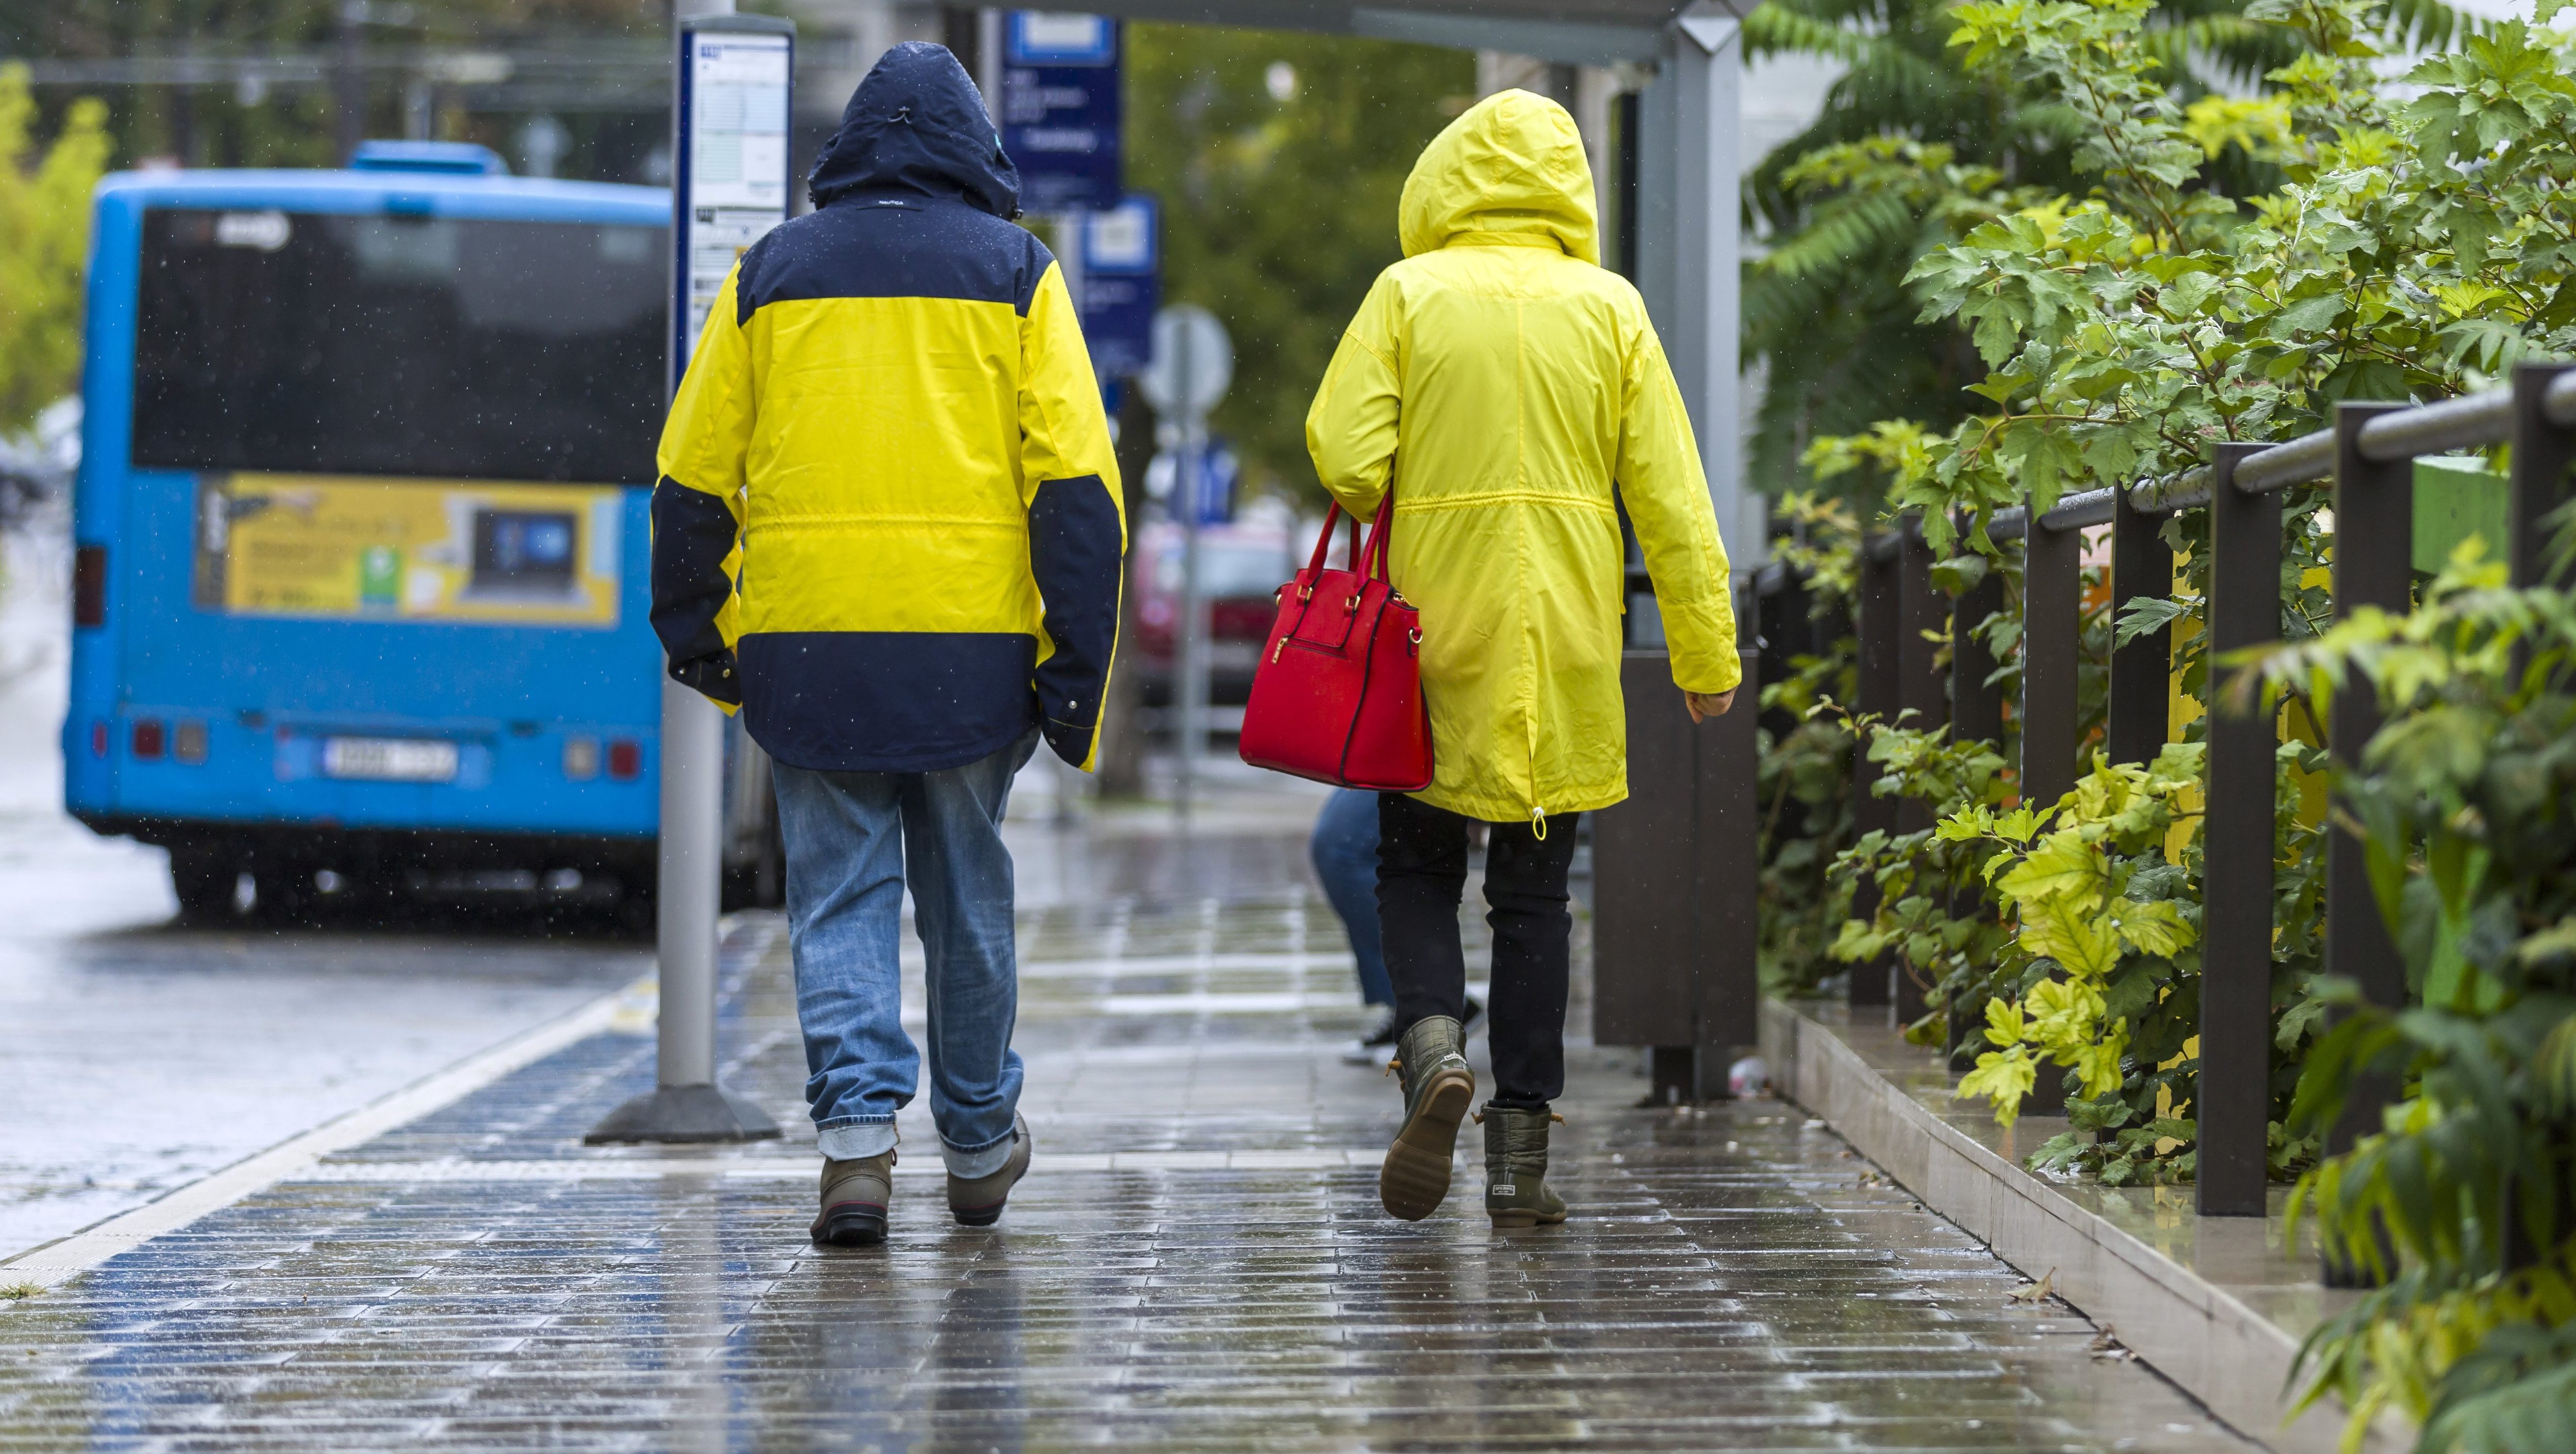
column 1373, row 561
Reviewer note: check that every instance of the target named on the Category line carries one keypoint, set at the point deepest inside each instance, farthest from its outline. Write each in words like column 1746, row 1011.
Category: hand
column 1704, row 705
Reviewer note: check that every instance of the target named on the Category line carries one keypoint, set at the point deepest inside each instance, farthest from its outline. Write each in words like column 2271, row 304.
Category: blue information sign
column 1060, row 109
column 1122, row 284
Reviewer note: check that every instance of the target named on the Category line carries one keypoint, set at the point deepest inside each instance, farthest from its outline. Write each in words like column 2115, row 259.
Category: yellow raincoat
column 1507, row 382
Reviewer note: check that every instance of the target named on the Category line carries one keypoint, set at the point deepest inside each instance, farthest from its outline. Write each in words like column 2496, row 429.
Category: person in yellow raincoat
column 1507, row 387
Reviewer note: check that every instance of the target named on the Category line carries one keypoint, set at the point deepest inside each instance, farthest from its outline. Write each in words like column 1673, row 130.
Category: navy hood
column 918, row 124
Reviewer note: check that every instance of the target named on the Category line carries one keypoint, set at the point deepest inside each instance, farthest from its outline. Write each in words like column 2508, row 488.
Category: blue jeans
column 1344, row 849
column 853, row 841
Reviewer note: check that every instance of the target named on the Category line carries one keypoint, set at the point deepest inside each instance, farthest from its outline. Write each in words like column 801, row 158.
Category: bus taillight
column 89, row 586
column 625, row 759
column 149, row 738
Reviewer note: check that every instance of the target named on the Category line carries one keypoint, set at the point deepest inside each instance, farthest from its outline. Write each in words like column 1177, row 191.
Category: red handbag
column 1338, row 694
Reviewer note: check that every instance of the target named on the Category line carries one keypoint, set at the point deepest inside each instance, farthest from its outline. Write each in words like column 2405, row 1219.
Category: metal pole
column 1693, row 279
column 348, row 81
column 687, row 1105
column 1976, row 715
column 1193, row 684
column 2142, row 671
column 1878, row 684
column 2374, row 563
column 2052, row 587
column 1192, row 687
column 1922, row 612
column 2543, row 451
column 2233, row 1106
column 686, row 899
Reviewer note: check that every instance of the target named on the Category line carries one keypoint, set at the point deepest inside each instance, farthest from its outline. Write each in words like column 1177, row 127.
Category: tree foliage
column 1279, row 214
column 2464, row 1197
column 2416, row 244
column 294, row 125
column 44, row 247
column 1917, row 144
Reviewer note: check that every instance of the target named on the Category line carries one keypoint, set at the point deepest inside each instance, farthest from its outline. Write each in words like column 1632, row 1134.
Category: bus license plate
column 389, row 760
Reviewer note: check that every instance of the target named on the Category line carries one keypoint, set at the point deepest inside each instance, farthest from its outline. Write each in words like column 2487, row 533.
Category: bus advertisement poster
column 335, row 547
column 732, row 148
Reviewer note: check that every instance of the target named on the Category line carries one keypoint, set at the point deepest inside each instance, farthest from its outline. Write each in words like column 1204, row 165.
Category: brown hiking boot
column 978, row 1202
column 855, row 1194
column 1432, row 1058
column 1516, row 1193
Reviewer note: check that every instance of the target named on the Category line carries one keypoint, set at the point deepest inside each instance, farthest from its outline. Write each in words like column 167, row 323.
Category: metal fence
column 2369, row 455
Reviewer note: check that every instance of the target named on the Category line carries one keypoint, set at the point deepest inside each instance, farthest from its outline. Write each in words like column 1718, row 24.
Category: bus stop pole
column 686, row 1104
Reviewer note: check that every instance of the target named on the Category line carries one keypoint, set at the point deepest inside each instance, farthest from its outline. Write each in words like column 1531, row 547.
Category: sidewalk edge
column 2192, row 1331
column 67, row 1257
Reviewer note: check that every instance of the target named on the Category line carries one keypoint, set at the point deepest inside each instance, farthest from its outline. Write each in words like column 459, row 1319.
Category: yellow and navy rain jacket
column 888, row 525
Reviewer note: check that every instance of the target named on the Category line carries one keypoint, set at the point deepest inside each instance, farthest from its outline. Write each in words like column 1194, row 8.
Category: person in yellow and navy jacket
column 889, row 530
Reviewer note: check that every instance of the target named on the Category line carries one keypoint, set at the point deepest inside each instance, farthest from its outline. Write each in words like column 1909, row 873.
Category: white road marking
column 59, row 1260
column 772, row 1168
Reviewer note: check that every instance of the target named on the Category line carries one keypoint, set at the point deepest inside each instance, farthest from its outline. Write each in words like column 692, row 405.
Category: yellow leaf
column 2063, row 870
column 2156, row 928
column 2100, row 1064
column 2088, row 946
column 2004, row 1025
column 2002, row 1077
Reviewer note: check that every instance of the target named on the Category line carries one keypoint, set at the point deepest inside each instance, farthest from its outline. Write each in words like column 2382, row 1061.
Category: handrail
column 2447, row 424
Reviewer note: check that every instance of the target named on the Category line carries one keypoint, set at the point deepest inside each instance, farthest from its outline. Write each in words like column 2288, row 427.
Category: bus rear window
column 396, row 345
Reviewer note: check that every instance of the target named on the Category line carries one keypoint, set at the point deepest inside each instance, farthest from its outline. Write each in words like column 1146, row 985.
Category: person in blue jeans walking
column 1343, row 849
column 888, row 531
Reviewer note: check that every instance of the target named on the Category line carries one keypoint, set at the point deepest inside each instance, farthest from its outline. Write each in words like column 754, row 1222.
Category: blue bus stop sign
column 1122, row 285
column 1060, row 109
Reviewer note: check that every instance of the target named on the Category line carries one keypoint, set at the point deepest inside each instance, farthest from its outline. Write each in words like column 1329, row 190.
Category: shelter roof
column 1594, row 31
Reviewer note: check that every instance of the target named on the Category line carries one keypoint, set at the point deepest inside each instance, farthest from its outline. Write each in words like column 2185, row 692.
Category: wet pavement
column 137, row 1056
column 1197, row 1261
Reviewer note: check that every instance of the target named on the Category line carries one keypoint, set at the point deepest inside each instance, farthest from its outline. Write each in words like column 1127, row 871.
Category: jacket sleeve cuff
column 1700, row 637
column 714, row 677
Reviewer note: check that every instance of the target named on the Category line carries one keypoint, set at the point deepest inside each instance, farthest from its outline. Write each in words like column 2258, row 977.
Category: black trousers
column 1421, row 875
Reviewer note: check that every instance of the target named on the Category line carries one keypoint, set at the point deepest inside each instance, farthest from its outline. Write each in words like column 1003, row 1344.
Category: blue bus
column 360, row 532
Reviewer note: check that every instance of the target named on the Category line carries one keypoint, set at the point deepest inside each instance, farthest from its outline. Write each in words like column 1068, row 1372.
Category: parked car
column 1241, row 568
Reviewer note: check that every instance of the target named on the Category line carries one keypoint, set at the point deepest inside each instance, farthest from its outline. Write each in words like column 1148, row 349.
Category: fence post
column 2233, row 1106
column 2052, row 596
column 1976, row 715
column 2052, row 632
column 1877, row 695
column 2542, row 454
column 1922, row 614
column 2142, row 671
column 2374, row 564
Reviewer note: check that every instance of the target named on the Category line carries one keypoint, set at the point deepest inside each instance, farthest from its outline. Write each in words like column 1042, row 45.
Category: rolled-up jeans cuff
column 857, row 1140
column 981, row 1162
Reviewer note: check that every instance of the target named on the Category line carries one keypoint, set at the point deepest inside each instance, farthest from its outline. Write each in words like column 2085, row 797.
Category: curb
column 2181, row 1290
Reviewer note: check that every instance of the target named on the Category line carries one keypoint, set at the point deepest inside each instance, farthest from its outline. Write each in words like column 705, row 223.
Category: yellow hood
column 1512, row 171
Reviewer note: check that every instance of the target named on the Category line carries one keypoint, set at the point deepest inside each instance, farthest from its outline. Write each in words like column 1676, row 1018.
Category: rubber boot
column 1431, row 1057
column 1516, row 1193
column 855, row 1194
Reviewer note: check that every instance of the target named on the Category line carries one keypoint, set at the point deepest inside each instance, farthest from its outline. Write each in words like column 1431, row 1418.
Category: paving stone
column 1198, row 1262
